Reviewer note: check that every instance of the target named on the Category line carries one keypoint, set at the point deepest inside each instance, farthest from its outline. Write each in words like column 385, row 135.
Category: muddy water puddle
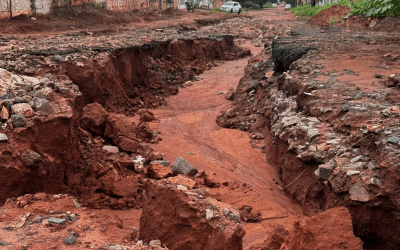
column 188, row 128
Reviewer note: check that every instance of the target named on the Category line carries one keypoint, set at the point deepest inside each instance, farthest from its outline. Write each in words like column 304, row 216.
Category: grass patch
column 217, row 10
column 308, row 10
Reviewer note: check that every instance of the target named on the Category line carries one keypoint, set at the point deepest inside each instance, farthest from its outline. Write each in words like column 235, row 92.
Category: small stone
column 155, row 243
column 76, row 204
column 111, row 149
column 371, row 166
column 376, row 182
column 358, row 193
column 3, row 137
column 70, row 239
column 22, row 109
column 138, row 162
column 4, row 114
column 18, row 120
column 31, row 158
column 116, row 247
column 324, row 171
column 56, row 221
column 394, row 139
column 352, row 172
column 42, row 105
column 181, row 166
column 165, row 163
column 253, row 85
column 225, row 211
column 233, row 217
column 209, row 214
column 345, row 108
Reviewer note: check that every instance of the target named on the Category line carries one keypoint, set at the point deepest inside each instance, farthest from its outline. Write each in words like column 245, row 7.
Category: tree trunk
column 313, row 3
column 11, row 14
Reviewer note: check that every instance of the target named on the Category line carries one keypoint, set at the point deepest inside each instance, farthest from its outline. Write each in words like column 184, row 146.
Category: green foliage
column 375, row 8
column 255, row 6
column 369, row 8
column 268, row 5
column 331, row 21
column 247, row 4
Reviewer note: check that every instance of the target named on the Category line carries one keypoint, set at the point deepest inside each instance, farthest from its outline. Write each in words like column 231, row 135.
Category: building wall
column 48, row 6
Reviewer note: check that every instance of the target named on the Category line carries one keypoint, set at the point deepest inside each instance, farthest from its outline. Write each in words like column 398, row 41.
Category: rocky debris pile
column 329, row 133
column 186, row 220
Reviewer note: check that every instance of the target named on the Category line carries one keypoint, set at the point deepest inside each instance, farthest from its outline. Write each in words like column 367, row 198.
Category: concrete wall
column 48, row 6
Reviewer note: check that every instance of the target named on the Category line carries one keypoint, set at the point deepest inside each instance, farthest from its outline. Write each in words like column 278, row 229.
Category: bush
column 369, row 8
column 247, row 4
column 255, row 6
column 268, row 5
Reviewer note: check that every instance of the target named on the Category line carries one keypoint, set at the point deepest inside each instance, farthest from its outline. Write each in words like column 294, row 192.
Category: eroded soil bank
column 102, row 120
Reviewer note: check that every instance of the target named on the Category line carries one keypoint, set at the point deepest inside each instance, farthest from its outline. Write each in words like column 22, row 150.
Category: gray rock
column 356, row 159
column 209, row 214
column 345, row 108
column 31, row 158
column 3, row 137
column 70, row 239
column 181, row 166
column 225, row 211
column 48, row 75
column 19, row 99
column 371, row 166
column 3, row 243
column 42, row 105
column 353, row 172
column 56, row 221
column 233, row 217
column 333, row 142
column 394, row 139
column 324, row 171
column 18, row 120
column 116, row 247
column 357, row 151
column 165, row 163
column 358, row 193
column 155, row 243
column 253, row 85
column 376, row 182
column 111, row 149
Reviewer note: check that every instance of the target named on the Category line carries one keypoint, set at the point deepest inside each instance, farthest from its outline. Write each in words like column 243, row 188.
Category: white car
column 232, row 7
column 287, row 6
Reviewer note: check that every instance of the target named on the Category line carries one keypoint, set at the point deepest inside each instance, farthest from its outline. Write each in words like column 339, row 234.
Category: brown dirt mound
column 335, row 12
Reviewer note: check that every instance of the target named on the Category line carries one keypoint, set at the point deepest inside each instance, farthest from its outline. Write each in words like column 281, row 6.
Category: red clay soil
column 334, row 12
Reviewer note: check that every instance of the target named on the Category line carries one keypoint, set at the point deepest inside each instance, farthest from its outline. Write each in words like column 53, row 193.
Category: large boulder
column 331, row 230
column 181, row 166
column 94, row 119
column 181, row 220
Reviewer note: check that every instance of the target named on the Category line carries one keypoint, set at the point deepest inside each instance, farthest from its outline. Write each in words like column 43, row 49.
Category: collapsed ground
column 88, row 96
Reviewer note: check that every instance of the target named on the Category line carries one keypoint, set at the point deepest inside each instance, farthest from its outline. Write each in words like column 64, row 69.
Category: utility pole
column 10, row 9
